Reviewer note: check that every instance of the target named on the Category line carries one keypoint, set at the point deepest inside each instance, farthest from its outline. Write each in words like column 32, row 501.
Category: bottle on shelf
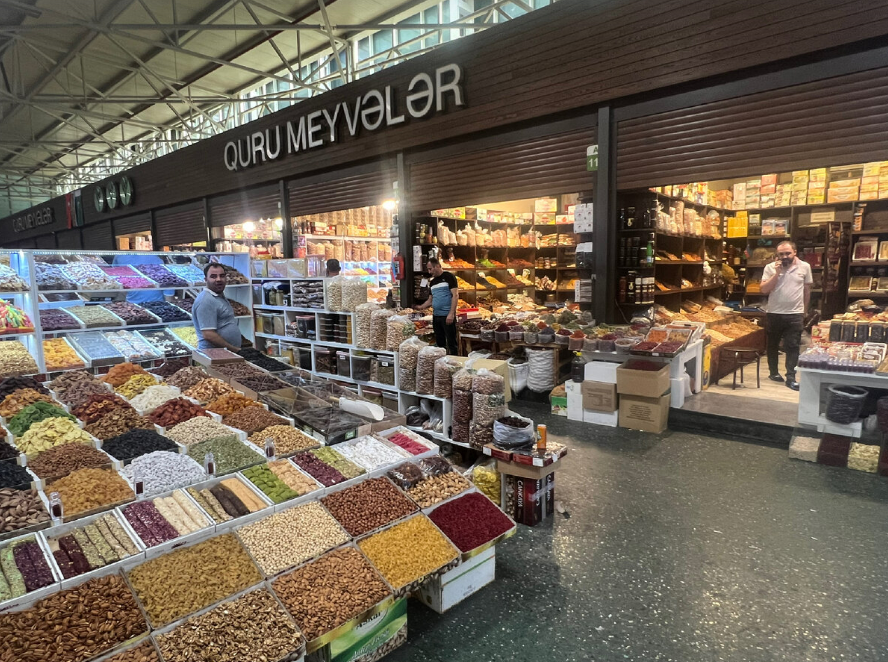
column 649, row 250
column 630, row 287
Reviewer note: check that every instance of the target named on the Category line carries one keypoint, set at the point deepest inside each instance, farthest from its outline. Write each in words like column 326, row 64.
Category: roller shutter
column 180, row 225
column 132, row 224
column 98, row 237
column 356, row 187
column 69, row 240
column 246, row 205
column 836, row 121
column 45, row 241
column 540, row 166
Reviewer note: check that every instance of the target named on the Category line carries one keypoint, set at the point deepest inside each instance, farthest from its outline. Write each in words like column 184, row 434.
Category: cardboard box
column 559, row 405
column 365, row 639
column 609, row 419
column 601, row 371
column 525, row 470
column 644, row 383
column 529, row 501
column 647, row 414
column 574, row 400
column 444, row 591
column 599, row 396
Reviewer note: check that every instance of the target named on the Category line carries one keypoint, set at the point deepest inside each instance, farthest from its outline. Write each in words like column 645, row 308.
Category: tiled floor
column 680, row 548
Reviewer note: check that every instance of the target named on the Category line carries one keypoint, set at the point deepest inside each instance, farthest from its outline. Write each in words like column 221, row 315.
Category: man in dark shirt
column 445, row 295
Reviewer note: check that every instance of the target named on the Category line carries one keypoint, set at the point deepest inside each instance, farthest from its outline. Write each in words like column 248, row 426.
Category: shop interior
column 261, row 238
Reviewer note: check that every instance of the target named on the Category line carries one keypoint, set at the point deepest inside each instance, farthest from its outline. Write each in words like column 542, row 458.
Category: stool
column 744, row 356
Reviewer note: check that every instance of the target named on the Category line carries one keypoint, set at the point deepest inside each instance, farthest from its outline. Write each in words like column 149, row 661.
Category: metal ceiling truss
column 110, row 133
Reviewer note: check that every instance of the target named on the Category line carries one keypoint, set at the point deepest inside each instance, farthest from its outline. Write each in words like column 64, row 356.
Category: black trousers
column 787, row 328
column 445, row 334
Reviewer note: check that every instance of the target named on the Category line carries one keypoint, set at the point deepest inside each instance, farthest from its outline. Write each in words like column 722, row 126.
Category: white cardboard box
column 610, row 419
column 443, row 592
column 602, row 371
column 574, row 400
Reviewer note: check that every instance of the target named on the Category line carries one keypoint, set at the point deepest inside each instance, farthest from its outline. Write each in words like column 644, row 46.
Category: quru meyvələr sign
column 426, row 94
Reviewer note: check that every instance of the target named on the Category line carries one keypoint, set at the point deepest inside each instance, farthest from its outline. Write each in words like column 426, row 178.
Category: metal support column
column 287, row 227
column 604, row 217
column 405, row 241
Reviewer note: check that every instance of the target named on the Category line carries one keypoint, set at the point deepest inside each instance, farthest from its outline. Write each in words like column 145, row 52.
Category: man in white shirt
column 787, row 282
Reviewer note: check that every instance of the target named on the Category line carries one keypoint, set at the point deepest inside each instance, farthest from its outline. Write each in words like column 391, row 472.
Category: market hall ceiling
column 82, row 80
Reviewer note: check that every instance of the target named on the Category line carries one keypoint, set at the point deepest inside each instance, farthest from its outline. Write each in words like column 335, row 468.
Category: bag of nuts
column 445, row 368
column 398, row 329
column 408, row 353
column 378, row 327
column 425, row 368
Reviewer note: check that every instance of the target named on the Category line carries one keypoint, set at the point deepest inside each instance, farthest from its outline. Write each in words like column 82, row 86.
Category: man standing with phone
column 443, row 300
column 787, row 281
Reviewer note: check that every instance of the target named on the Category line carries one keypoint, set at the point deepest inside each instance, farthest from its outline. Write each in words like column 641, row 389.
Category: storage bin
column 343, row 364
column 324, row 360
column 361, row 367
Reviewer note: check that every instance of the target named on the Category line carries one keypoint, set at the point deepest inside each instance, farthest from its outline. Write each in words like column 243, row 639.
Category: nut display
column 94, row 316
column 319, row 470
column 169, row 367
column 89, row 489
column 368, row 505
column 229, row 452
column 161, row 275
column 265, row 362
column 292, row 477
column 50, row 433
column 251, row 627
column 131, row 346
column 252, row 419
column 408, row 551
column 370, row 453
column 207, row 390
column 262, row 384
column 59, row 355
column 154, row 396
column 240, row 310
column 425, row 368
column 94, row 616
column 128, row 278
column 135, row 385
column 136, row 443
column 187, row 377
column 167, row 312
column 167, row 343
column 165, row 518
column 79, row 394
column 92, row 546
column 96, row 348
column 116, row 422
column 12, row 475
column 15, row 360
column 13, row 384
column 69, row 381
column 175, row 411
column 39, row 411
column 99, row 404
column 24, row 567
column 56, row 319
column 196, row 430
column 90, row 277
column 20, row 509
column 120, row 374
column 470, row 521
column 62, row 460
column 434, row 489
column 230, row 403
column 291, row 537
column 186, row 334
column 286, row 438
column 130, row 313
column 269, row 483
column 188, row 580
column 144, row 652
column 162, row 471
column 51, row 277
column 324, row 594
column 407, row 357
column 14, row 402
column 239, row 370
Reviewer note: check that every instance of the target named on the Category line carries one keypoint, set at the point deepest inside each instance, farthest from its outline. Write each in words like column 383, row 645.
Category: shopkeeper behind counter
column 443, row 300
column 213, row 316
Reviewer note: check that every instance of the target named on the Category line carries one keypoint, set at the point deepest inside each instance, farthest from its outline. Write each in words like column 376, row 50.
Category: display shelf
column 334, row 236
column 857, row 233
column 153, row 325
column 688, row 289
column 136, row 289
column 861, row 294
column 328, row 343
column 869, row 263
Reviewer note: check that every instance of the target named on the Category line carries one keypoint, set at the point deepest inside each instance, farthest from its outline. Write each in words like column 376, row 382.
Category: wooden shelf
column 688, row 289
column 857, row 233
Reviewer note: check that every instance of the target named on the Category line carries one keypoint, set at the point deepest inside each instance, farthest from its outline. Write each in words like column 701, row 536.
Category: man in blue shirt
column 213, row 316
column 443, row 300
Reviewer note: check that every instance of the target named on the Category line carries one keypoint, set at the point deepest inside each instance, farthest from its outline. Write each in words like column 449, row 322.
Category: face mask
column 787, row 262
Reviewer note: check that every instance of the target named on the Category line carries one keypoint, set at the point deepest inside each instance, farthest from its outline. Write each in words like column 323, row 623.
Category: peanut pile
column 74, row 625
column 187, row 580
column 435, row 489
column 252, row 627
column 291, row 537
column 408, row 551
column 368, row 506
column 326, row 593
